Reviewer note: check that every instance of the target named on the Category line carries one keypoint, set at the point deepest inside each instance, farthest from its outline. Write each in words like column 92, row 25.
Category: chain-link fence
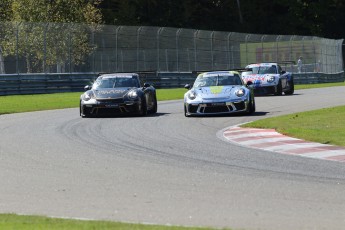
column 70, row 48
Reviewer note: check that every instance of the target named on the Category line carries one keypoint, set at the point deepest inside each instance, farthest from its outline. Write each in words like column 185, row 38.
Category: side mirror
column 146, row 85
column 283, row 72
column 87, row 87
column 187, row 86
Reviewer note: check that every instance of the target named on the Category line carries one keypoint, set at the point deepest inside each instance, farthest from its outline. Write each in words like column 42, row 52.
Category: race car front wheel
column 251, row 106
column 185, row 111
column 143, row 107
column 291, row 89
column 279, row 90
column 154, row 107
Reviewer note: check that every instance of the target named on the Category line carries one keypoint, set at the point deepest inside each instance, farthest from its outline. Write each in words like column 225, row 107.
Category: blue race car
column 221, row 92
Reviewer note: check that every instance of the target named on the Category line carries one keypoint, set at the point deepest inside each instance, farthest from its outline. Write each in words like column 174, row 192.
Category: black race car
column 118, row 93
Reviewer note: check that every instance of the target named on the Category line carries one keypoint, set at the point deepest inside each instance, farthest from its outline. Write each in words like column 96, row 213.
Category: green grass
column 310, row 86
column 12, row 221
column 325, row 126
column 170, row 94
column 317, row 126
column 37, row 102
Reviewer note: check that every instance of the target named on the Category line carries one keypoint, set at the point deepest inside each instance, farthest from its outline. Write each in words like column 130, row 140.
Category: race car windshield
column 217, row 80
column 116, row 82
column 264, row 70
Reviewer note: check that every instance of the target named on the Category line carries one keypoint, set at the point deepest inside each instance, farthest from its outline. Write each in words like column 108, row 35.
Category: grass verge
column 12, row 221
column 325, row 126
column 38, row 102
column 317, row 126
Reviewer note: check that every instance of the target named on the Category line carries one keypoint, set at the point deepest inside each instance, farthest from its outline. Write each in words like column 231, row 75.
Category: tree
column 4, row 16
column 299, row 17
column 43, row 33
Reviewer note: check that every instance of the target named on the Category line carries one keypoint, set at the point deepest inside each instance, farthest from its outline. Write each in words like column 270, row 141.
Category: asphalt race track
column 168, row 169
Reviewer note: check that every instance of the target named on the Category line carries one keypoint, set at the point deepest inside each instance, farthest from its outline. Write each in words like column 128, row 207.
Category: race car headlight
column 87, row 96
column 240, row 93
column 192, row 95
column 133, row 94
column 270, row 79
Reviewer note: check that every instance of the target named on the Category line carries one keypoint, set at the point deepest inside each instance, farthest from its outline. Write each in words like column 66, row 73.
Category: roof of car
column 118, row 75
column 220, row 73
column 263, row 64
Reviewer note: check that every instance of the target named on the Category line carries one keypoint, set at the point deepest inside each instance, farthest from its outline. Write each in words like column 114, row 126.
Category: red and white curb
column 270, row 140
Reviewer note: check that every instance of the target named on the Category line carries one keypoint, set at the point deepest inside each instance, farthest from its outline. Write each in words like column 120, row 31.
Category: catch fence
column 71, row 47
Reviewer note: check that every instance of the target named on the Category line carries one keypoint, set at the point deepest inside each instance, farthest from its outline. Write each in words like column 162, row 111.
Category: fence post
column 195, row 52
column 228, row 53
column 17, row 52
column 246, row 41
column 177, row 47
column 45, row 46
column 158, row 48
column 262, row 48
column 138, row 45
column 277, row 47
column 212, row 60
column 116, row 47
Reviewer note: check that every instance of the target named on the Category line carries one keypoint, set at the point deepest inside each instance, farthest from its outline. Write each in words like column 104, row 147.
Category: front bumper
column 213, row 108
column 110, row 107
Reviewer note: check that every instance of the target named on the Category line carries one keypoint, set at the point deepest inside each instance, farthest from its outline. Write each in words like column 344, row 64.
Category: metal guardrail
column 314, row 78
column 14, row 84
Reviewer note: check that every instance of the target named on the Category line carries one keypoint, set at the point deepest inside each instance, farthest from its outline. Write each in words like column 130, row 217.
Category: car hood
column 110, row 93
column 216, row 91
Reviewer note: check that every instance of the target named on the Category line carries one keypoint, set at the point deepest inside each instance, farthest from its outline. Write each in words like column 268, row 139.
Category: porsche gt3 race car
column 221, row 92
column 118, row 93
column 269, row 78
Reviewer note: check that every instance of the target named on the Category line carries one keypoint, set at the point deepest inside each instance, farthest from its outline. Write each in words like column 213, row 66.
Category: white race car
column 268, row 78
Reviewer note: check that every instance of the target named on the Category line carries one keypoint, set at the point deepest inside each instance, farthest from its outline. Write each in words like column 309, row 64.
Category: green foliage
column 300, row 17
column 5, row 10
column 44, row 44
